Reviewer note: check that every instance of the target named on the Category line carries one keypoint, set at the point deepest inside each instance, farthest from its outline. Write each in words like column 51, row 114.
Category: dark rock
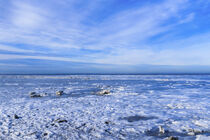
column 137, row 118
column 107, row 122
column 61, row 121
column 16, row 116
column 83, row 125
column 106, row 130
column 103, row 92
column 34, row 94
column 33, row 133
column 172, row 138
column 53, row 124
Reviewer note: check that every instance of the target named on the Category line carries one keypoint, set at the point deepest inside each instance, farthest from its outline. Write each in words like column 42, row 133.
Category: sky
column 104, row 36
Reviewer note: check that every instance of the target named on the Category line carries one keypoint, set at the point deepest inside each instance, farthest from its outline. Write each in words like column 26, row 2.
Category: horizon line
column 177, row 73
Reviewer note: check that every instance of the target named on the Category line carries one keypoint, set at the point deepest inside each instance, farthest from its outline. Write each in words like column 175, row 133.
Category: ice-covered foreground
column 139, row 107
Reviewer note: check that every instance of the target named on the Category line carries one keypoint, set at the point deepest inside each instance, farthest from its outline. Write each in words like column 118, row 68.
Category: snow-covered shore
column 139, row 107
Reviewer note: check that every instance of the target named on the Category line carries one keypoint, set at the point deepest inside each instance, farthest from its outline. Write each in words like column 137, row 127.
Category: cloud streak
column 89, row 32
column 121, row 29
column 13, row 49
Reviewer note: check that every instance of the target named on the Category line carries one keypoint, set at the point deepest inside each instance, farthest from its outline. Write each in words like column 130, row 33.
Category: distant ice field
column 138, row 107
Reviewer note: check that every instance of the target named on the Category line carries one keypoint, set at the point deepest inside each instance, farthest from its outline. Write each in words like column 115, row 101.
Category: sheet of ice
column 139, row 107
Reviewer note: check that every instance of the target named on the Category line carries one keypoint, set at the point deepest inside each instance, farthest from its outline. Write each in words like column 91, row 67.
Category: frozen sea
column 139, row 107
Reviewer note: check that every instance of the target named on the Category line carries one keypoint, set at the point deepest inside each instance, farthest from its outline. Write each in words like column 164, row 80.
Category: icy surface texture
column 138, row 107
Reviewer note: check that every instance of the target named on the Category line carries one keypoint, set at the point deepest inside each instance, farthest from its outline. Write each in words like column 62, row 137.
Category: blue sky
column 104, row 36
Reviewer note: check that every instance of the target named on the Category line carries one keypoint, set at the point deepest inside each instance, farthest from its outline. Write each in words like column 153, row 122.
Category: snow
column 201, row 137
column 138, row 106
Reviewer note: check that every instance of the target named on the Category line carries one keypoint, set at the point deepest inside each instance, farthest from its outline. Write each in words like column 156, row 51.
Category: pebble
column 34, row 94
column 59, row 93
column 103, row 92
column 172, row 138
column 16, row 116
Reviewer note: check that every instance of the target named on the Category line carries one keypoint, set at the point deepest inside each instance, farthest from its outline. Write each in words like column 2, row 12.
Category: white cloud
column 188, row 18
column 12, row 56
column 120, row 29
column 12, row 65
column 25, row 15
column 190, row 51
column 194, row 53
column 13, row 49
column 121, row 36
column 141, row 23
